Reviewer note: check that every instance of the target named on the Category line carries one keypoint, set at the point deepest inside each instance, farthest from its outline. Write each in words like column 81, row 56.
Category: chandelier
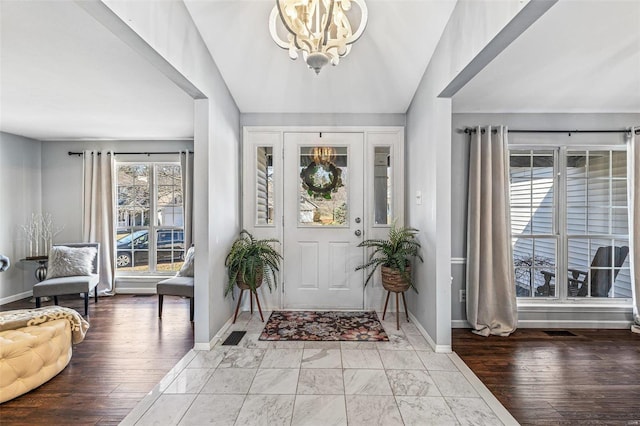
column 323, row 154
column 319, row 28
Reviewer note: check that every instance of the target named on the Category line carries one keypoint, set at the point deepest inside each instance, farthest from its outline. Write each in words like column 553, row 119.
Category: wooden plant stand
column 404, row 301
column 251, row 295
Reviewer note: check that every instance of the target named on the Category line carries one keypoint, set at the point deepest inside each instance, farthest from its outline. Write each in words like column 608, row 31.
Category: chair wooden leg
column 191, row 308
column 397, row 313
column 160, row 300
column 38, row 304
column 251, row 301
column 386, row 302
column 55, row 300
column 86, row 303
column 404, row 302
column 259, row 308
column 238, row 307
column 95, row 294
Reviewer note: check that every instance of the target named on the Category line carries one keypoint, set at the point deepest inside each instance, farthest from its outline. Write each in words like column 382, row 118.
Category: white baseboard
column 574, row 324
column 202, row 346
column 460, row 324
column 133, row 290
column 434, row 346
column 611, row 324
column 16, row 297
column 208, row 346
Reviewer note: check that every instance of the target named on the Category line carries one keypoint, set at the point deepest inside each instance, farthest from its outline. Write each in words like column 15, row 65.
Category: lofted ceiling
column 380, row 74
column 65, row 76
column 581, row 56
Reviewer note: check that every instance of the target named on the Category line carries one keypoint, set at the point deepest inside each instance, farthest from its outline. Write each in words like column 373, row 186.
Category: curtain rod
column 80, row 154
column 469, row 130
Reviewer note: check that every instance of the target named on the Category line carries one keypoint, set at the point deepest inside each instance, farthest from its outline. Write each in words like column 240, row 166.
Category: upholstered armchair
column 73, row 268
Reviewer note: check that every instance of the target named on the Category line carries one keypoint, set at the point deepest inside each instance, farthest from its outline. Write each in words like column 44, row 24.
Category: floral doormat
column 328, row 326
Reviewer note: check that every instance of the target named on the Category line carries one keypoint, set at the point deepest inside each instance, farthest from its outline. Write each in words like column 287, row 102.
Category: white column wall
column 472, row 26
column 165, row 33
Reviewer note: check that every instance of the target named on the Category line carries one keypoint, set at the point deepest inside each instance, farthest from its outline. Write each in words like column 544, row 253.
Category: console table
column 41, row 270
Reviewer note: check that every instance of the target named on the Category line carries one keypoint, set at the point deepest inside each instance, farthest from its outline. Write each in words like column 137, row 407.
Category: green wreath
column 320, row 180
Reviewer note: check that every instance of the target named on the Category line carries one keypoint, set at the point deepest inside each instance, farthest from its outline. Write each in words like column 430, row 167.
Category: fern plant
column 249, row 259
column 395, row 252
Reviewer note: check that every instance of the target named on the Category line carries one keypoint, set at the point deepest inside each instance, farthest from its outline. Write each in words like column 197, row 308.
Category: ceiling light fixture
column 321, row 29
column 323, row 154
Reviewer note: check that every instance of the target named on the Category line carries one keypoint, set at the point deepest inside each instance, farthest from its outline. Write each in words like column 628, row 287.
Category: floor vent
column 234, row 338
column 143, row 295
column 559, row 333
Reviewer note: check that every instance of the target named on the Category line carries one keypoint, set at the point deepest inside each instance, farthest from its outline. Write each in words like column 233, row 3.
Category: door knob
column 358, row 232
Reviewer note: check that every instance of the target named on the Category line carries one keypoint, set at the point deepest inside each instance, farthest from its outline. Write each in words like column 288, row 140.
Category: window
column 264, row 185
column 323, row 186
column 382, row 186
column 150, row 233
column 569, row 223
column 533, row 212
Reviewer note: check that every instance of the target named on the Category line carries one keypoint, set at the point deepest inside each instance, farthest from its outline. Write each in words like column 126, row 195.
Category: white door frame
column 272, row 136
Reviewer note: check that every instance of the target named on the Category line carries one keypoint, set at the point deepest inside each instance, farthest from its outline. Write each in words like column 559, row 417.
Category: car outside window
column 150, row 236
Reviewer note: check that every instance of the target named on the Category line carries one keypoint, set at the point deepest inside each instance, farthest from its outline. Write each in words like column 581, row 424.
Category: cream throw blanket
column 11, row 320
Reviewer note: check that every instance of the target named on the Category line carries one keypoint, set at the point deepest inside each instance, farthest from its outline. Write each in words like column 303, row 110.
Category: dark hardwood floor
column 590, row 378
column 126, row 352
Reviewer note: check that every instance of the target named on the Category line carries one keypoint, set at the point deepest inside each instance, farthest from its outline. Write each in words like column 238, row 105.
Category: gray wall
column 164, row 32
column 473, row 24
column 460, row 165
column 42, row 177
column 62, row 180
column 20, row 188
column 62, row 177
column 253, row 119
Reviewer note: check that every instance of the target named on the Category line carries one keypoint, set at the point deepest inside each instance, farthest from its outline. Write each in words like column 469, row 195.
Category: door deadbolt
column 357, row 220
column 358, row 232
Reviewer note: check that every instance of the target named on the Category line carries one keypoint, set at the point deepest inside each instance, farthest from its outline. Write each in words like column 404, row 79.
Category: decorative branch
column 40, row 229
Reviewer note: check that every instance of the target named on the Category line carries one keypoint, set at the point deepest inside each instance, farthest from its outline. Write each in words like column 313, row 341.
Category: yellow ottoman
column 32, row 354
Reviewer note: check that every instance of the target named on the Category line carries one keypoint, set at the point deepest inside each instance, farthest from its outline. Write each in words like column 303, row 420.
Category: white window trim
column 151, row 274
column 561, row 301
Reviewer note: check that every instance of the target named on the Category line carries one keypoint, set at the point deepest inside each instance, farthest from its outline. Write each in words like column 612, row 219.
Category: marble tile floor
column 399, row 382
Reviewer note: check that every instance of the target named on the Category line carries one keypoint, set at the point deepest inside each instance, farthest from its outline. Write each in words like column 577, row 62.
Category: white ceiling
column 581, row 56
column 380, row 75
column 65, row 76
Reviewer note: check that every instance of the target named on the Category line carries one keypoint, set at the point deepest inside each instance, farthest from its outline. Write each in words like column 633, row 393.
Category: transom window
column 569, row 223
column 150, row 226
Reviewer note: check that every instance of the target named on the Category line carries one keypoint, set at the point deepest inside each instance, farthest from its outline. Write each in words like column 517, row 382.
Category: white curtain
column 186, row 167
column 99, row 204
column 491, row 293
column 633, row 173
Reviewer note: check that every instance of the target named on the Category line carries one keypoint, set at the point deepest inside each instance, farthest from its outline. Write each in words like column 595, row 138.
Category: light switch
column 418, row 198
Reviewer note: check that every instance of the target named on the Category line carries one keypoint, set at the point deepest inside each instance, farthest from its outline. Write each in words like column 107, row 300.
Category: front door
column 323, row 220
